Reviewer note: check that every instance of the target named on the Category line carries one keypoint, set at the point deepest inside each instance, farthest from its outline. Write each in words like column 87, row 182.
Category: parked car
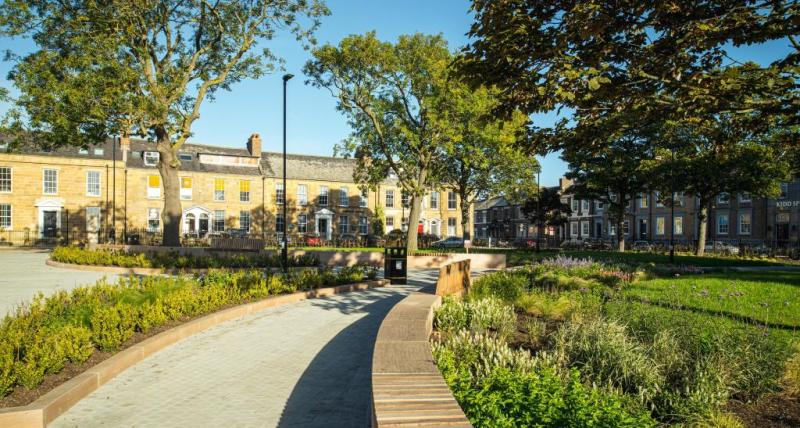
column 311, row 240
column 642, row 246
column 722, row 248
column 451, row 242
column 524, row 243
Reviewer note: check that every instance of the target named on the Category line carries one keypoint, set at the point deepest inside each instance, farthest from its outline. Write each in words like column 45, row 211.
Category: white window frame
column 98, row 151
column 389, row 224
column 151, row 158
column 153, row 192
column 747, row 198
column 153, row 214
column 44, row 181
column 451, row 226
column 363, row 199
column 434, row 200
column 574, row 206
column 89, row 184
column 219, row 197
column 784, row 191
column 10, row 179
column 215, row 218
column 344, row 198
column 323, row 191
column 280, row 224
column 186, row 193
column 343, row 226
column 661, row 226
column 585, row 206
column 453, row 199
column 245, row 196
column 643, row 200
column 363, row 225
column 598, row 205
column 302, row 223
column 389, row 202
column 749, row 223
column 245, row 214
column 302, row 194
column 626, row 227
column 727, row 224
column 280, row 194
column 726, row 200
column 585, row 228
column 573, row 228
column 10, row 216
column 612, row 228
column 659, row 202
column 677, row 225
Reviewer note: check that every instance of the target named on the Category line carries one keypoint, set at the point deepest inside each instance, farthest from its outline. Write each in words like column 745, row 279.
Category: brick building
column 83, row 194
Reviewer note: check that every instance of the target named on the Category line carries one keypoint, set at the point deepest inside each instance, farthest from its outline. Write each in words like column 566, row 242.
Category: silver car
column 722, row 248
column 451, row 242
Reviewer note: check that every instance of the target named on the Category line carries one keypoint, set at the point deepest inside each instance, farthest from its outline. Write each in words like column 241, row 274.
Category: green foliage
column 500, row 387
column 39, row 338
column 791, row 378
column 505, row 285
column 172, row 260
column 485, row 316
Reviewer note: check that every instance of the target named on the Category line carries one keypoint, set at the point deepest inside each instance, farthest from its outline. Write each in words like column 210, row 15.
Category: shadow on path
column 334, row 390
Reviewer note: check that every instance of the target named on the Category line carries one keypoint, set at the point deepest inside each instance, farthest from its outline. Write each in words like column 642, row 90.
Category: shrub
column 112, row 325
column 605, row 354
column 74, row 343
column 481, row 315
column 505, row 285
column 791, row 377
column 497, row 386
column 151, row 314
column 536, row 330
column 717, row 420
column 7, row 374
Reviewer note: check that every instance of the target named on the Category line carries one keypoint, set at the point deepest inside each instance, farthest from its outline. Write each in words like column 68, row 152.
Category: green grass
column 764, row 298
column 517, row 257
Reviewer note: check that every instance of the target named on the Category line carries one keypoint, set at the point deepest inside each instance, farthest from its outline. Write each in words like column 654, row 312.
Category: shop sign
column 787, row 204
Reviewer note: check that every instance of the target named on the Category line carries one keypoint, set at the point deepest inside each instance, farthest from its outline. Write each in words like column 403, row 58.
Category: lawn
column 570, row 340
column 771, row 298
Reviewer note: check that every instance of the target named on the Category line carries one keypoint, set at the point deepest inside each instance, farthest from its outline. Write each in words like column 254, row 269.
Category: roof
column 307, row 167
column 495, row 201
column 29, row 147
column 194, row 165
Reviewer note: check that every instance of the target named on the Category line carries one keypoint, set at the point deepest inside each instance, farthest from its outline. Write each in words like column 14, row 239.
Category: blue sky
column 314, row 126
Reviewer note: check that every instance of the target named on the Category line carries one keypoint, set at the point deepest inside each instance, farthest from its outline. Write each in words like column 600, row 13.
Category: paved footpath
column 302, row 365
column 23, row 274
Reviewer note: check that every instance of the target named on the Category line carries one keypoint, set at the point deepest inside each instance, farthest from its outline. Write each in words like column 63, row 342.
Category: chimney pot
column 254, row 145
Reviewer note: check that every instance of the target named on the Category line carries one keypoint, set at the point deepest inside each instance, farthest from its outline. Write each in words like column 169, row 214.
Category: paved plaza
column 23, row 273
column 302, row 365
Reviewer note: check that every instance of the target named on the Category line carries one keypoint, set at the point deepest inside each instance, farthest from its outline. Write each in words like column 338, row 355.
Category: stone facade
column 221, row 189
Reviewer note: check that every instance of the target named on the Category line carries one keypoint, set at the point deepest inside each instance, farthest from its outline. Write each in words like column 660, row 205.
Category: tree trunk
column 464, row 217
column 168, row 166
column 620, row 234
column 413, row 223
column 702, row 217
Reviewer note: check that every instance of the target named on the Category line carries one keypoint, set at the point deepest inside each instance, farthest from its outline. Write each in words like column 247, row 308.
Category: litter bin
column 395, row 264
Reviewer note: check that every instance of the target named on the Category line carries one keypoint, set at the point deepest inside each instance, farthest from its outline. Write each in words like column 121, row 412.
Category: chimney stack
column 254, row 145
column 125, row 146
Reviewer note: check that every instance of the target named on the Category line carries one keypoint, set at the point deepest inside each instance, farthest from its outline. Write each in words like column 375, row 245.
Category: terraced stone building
column 114, row 190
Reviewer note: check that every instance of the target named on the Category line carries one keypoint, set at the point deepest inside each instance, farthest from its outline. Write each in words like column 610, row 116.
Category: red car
column 312, row 240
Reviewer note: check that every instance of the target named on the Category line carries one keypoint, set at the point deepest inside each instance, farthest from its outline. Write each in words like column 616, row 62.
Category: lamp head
column 286, row 77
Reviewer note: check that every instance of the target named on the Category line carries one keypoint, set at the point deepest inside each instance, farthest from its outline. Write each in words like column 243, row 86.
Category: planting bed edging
column 49, row 406
column 157, row 271
column 407, row 388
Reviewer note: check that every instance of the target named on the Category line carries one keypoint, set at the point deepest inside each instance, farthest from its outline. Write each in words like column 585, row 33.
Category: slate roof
column 496, row 201
column 307, row 167
column 137, row 161
column 29, row 147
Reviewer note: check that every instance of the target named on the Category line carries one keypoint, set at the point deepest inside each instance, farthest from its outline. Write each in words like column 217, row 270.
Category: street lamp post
column 538, row 208
column 284, row 241
column 672, row 208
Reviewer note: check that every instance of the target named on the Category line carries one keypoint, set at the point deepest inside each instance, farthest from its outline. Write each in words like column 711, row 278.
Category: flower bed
column 563, row 344
column 40, row 338
column 81, row 256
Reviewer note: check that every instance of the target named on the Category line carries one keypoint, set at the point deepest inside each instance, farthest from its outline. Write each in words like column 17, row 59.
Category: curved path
column 306, row 364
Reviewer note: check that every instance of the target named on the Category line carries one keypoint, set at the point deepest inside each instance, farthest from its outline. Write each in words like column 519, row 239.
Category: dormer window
column 151, row 158
column 99, row 152
column 186, row 157
column 83, row 151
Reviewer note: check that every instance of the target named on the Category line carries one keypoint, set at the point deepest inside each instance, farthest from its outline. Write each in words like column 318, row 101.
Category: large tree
column 660, row 60
column 614, row 174
column 718, row 157
column 142, row 68
column 389, row 93
column 545, row 208
column 483, row 154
